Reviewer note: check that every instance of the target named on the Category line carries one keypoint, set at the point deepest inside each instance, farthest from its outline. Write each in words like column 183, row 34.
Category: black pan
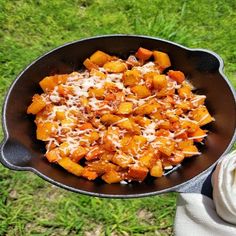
column 21, row 151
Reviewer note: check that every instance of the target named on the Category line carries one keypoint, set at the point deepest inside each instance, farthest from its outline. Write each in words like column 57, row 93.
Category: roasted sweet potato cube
column 137, row 142
column 184, row 92
column 146, row 158
column 157, row 169
column 109, row 119
column 88, row 174
column 131, row 77
column 190, row 151
column 159, row 82
column 44, row 130
column 97, row 92
column 100, row 58
column 167, row 146
column 198, row 100
column 178, row 76
column 69, row 123
column 141, row 91
column 48, row 83
column 143, row 54
column 202, row 116
column 145, row 109
column 125, row 108
column 60, row 115
column 189, row 125
column 198, row 135
column 111, row 139
column 97, row 73
column 94, row 153
column 37, row 105
column 64, row 149
column 70, row 166
column 115, row 66
column 137, row 173
column 161, row 59
column 111, row 177
column 53, row 155
column 123, row 160
column 178, row 157
column 185, row 143
column 90, row 65
column 129, row 124
column 143, row 121
column 78, row 154
column 101, row 166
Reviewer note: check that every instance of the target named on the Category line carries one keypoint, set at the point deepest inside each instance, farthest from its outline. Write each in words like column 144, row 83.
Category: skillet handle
column 14, row 155
column 201, row 184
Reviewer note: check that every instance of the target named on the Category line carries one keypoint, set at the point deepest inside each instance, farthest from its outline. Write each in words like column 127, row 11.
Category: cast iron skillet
column 21, row 151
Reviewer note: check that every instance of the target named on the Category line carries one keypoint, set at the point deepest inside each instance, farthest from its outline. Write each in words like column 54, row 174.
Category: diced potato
column 37, row 105
column 199, row 134
column 136, row 144
column 111, row 138
column 162, row 59
column 64, row 149
column 78, row 154
column 99, row 58
column 131, row 77
column 146, row 158
column 125, row 108
column 157, row 169
column 48, row 83
column 167, row 146
column 178, row 76
column 122, row 160
column 96, row 92
column 165, row 92
column 109, row 119
column 189, row 125
column 101, row 166
column 202, row 116
column 141, row 91
column 94, row 153
column 197, row 100
column 44, row 130
column 165, row 124
column 159, row 82
column 93, row 136
column 143, row 121
column 53, row 155
column 143, row 54
column 115, row 66
column 137, row 173
column 190, row 151
column 156, row 115
column 178, row 157
column 90, row 65
column 129, row 125
column 69, row 122
column 184, row 92
column 185, row 143
column 88, row 174
column 60, row 115
column 111, row 177
column 145, row 109
column 65, row 90
column 70, row 166
column 97, row 73
column 85, row 126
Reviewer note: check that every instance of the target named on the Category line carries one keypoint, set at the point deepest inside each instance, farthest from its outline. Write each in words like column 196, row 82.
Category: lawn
column 29, row 28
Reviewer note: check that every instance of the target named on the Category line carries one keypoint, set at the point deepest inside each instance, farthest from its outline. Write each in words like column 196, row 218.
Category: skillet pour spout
column 21, row 151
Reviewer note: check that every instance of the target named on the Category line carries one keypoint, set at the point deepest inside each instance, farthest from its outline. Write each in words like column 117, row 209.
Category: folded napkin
column 197, row 214
column 224, row 188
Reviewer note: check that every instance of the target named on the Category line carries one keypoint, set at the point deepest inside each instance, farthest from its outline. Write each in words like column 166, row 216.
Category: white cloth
column 224, row 188
column 197, row 214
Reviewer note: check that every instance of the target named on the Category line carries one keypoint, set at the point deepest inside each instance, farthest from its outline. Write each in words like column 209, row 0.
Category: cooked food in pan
column 120, row 120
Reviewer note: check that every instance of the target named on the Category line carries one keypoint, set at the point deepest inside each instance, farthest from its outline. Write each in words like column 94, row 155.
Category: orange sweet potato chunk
column 37, row 105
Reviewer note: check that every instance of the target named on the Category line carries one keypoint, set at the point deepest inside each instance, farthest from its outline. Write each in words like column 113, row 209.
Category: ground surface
column 30, row 206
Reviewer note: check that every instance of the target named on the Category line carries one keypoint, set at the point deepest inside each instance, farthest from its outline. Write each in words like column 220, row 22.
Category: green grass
column 28, row 28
